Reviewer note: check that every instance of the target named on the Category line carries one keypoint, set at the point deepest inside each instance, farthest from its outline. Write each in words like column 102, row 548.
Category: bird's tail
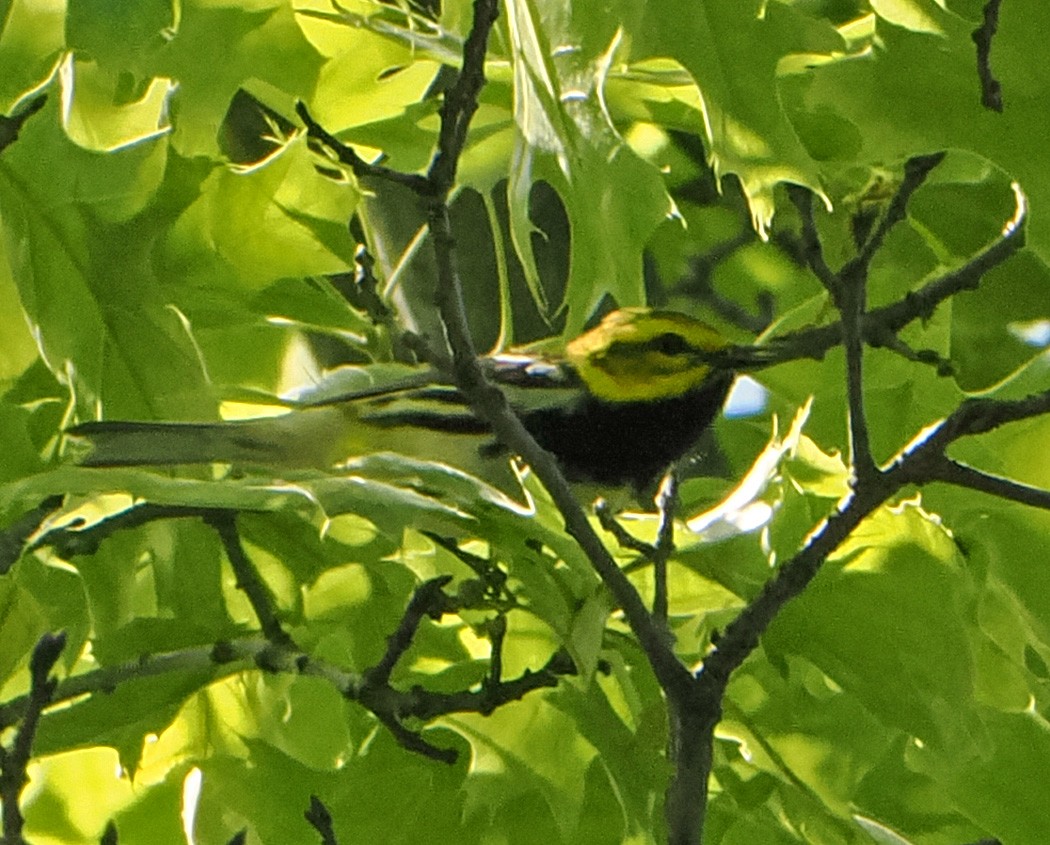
column 256, row 441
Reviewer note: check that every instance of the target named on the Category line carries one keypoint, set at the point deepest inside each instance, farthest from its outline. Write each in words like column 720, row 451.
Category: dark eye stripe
column 667, row 343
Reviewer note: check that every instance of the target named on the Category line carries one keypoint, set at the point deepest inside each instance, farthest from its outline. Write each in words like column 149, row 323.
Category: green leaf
column 1000, row 788
column 30, row 42
column 613, row 199
column 216, row 49
column 252, row 227
column 86, row 287
column 885, row 620
column 731, row 49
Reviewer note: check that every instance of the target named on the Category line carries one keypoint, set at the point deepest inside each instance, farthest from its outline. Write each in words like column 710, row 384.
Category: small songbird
column 617, row 406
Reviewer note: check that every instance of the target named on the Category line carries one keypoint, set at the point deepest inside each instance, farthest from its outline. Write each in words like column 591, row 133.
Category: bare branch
column 14, row 761
column 413, row 741
column 920, row 462
column 321, row 820
column 429, row 705
column 979, row 416
column 666, row 502
column 74, row 539
column 880, row 325
column 848, row 289
column 961, row 475
column 698, row 284
column 916, row 169
column 920, row 304
column 348, row 156
column 461, row 100
column 812, row 251
column 429, row 599
column 607, row 519
column 10, row 127
column 991, row 90
column 13, row 538
column 741, row 636
column 852, row 304
column 259, row 594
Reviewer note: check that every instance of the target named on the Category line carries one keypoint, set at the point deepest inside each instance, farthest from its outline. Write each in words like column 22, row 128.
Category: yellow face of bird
column 641, row 355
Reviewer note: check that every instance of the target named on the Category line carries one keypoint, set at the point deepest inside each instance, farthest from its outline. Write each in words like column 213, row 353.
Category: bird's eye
column 670, row 343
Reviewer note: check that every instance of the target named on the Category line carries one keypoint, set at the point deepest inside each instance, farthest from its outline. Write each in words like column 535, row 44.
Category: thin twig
column 927, row 357
column 848, row 290
column 497, row 631
column 917, row 463
column 802, row 198
column 348, row 156
column 429, row 600
column 361, row 288
column 916, row 169
column 74, row 539
column 852, row 307
column 666, row 502
column 14, row 761
column 881, row 324
column 461, row 101
column 979, row 416
column 321, row 820
column 13, row 538
column 961, row 475
column 227, row 658
column 698, row 284
column 607, row 520
column 991, row 90
column 10, row 127
column 258, row 592
column 495, row 579
column 414, row 742
column 490, row 696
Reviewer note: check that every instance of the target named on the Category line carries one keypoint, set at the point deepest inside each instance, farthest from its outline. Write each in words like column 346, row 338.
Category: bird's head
column 644, row 355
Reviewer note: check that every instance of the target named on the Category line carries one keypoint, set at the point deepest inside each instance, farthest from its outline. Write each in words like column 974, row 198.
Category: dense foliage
column 175, row 246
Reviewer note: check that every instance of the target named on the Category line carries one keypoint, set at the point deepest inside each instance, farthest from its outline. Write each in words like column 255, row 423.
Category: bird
column 617, row 406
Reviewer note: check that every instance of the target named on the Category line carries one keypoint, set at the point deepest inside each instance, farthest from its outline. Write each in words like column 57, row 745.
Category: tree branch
column 666, row 502
column 881, row 325
column 11, row 126
column 920, row 462
column 916, row 170
column 13, row 538
column 961, row 475
column 259, row 594
column 321, row 820
column 14, row 761
column 848, row 290
column 348, row 156
column 390, row 705
column 429, row 599
column 812, row 250
column 991, row 90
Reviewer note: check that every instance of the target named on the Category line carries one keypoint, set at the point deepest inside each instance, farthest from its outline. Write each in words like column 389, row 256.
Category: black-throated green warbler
column 620, row 404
